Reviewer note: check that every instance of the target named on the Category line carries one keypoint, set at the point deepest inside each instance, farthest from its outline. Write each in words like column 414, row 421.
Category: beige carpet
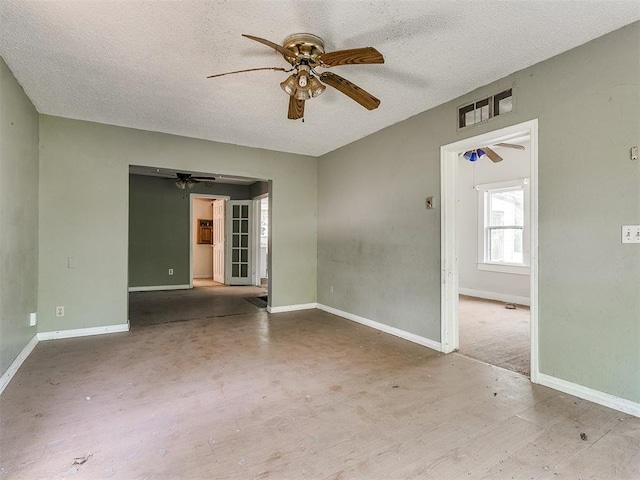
column 493, row 334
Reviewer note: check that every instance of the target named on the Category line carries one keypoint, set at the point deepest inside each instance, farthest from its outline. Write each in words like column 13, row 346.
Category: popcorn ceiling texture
column 144, row 64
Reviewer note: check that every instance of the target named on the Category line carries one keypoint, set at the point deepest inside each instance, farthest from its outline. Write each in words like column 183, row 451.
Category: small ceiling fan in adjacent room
column 186, row 180
column 305, row 52
column 477, row 153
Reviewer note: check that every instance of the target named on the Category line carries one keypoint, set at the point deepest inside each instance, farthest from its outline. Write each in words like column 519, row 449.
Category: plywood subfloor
column 493, row 334
column 298, row 395
column 206, row 303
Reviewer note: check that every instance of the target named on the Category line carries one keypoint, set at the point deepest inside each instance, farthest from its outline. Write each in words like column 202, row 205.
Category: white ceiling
column 143, row 64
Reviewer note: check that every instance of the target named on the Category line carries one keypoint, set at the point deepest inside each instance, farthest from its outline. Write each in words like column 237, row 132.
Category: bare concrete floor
column 493, row 334
column 292, row 396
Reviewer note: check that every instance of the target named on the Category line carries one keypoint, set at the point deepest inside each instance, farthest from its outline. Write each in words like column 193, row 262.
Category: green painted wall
column 380, row 248
column 18, row 217
column 159, row 228
column 84, row 210
column 258, row 188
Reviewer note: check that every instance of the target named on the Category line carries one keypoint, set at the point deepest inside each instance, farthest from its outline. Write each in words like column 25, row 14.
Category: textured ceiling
column 143, row 64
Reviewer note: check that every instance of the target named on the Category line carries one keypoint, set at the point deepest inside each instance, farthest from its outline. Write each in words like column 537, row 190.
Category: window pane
column 505, row 245
column 503, row 102
column 469, row 118
column 482, row 110
column 506, row 208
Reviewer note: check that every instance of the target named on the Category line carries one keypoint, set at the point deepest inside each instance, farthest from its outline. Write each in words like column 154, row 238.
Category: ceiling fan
column 305, row 52
column 477, row 153
column 186, row 180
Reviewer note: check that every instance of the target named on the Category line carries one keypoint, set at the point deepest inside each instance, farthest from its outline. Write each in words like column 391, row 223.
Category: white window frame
column 483, row 214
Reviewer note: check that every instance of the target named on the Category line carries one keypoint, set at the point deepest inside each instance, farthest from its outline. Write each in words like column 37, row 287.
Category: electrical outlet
column 33, row 319
column 60, row 311
column 331, row 288
column 631, row 234
column 171, row 271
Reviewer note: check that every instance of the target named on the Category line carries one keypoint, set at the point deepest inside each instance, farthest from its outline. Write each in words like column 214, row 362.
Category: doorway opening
column 191, row 245
column 261, row 210
column 489, row 245
column 207, row 253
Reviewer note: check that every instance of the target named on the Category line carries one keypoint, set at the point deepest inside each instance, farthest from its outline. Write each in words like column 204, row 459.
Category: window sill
column 505, row 268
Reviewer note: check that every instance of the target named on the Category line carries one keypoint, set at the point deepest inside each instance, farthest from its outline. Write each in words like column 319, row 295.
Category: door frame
column 449, row 155
column 256, row 237
column 192, row 197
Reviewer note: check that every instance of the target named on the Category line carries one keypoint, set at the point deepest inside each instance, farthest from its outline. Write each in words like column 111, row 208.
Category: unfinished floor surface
column 291, row 396
column 493, row 334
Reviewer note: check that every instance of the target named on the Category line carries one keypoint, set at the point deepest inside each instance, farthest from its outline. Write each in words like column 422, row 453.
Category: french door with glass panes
column 239, row 255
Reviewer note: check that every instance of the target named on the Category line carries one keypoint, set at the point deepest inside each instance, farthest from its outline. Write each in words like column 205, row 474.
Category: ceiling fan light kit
column 474, row 155
column 305, row 52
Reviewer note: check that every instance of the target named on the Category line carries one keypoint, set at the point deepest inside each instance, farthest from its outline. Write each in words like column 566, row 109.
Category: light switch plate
column 631, row 234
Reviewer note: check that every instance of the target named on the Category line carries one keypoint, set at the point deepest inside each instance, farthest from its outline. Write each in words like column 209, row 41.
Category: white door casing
column 449, row 261
column 218, row 240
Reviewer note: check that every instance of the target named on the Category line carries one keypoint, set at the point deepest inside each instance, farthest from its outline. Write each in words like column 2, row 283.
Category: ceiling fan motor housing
column 306, row 45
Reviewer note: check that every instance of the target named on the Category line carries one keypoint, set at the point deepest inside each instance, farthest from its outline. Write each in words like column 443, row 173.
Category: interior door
column 239, row 246
column 218, row 240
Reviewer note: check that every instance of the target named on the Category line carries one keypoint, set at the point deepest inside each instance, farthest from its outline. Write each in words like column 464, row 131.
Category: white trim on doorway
column 257, row 216
column 449, row 267
column 192, row 197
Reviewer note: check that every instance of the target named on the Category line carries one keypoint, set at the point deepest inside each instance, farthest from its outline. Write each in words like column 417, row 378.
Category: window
column 503, row 223
column 484, row 109
column 474, row 113
column 502, row 102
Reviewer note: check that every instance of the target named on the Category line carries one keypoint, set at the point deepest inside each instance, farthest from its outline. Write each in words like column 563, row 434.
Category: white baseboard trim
column 500, row 297
column 425, row 342
column 83, row 332
column 153, row 288
column 17, row 363
column 595, row 396
column 292, row 308
column 210, row 277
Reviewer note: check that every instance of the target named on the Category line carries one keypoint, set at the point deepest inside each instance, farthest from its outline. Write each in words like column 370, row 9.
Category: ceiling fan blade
column 351, row 90
column 279, row 48
column 296, row 108
column 493, row 156
column 354, row 56
column 250, row 70
column 509, row 145
column 203, row 179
